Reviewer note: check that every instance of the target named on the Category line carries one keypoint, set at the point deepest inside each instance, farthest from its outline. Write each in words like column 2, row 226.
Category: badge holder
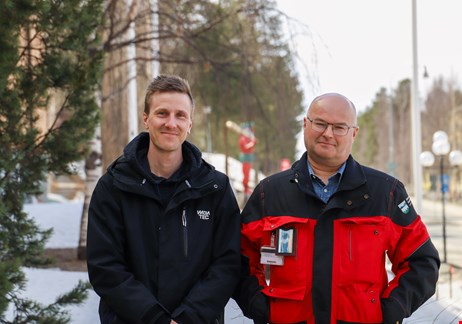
column 283, row 245
column 286, row 239
column 268, row 256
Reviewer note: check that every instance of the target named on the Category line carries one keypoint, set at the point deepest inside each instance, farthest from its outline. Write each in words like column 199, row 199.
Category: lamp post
column 440, row 148
column 415, row 115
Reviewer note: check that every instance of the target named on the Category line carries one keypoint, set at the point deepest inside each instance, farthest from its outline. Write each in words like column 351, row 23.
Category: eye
column 340, row 127
column 182, row 115
column 320, row 124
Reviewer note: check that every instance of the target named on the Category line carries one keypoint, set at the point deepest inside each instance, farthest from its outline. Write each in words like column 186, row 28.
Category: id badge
column 286, row 241
column 268, row 256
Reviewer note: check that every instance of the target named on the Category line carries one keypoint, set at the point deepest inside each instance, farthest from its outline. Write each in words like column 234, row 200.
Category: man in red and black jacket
column 325, row 228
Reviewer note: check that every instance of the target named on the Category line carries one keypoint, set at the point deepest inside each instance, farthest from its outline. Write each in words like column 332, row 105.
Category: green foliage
column 384, row 138
column 48, row 67
column 367, row 137
column 244, row 71
column 29, row 311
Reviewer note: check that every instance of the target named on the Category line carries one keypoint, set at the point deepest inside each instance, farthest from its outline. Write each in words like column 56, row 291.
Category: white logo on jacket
column 404, row 207
column 204, row 214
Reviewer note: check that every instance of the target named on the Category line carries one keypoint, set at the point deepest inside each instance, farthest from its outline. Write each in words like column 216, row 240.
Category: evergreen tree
column 49, row 66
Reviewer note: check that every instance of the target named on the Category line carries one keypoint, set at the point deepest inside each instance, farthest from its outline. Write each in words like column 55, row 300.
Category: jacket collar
column 353, row 183
column 130, row 174
column 352, row 177
column 136, row 153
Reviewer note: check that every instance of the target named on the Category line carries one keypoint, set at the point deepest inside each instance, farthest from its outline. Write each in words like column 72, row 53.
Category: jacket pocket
column 360, row 248
column 289, row 288
column 296, row 270
column 359, row 303
column 288, row 304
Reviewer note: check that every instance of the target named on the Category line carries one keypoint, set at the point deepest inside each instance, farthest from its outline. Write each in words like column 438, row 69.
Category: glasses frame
column 333, row 127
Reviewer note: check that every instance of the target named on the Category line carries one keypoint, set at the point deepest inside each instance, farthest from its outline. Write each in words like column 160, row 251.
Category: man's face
column 169, row 120
column 326, row 148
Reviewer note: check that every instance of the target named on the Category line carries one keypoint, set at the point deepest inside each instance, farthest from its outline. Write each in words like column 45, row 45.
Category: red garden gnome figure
column 247, row 143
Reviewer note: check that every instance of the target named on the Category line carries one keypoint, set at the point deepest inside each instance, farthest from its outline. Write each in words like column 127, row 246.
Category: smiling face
column 325, row 148
column 168, row 121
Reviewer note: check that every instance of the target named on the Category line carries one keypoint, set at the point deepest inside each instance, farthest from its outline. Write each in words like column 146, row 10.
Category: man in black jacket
column 163, row 230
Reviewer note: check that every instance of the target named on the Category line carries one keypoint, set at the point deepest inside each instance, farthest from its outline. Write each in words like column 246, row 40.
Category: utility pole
column 155, row 38
column 415, row 117
column 131, row 59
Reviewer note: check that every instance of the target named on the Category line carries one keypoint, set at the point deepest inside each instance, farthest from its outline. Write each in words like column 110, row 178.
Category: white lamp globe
column 440, row 136
column 441, row 147
column 455, row 158
column 427, row 158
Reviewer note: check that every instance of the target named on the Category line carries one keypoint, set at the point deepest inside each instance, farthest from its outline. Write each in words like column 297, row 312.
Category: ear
column 355, row 132
column 145, row 120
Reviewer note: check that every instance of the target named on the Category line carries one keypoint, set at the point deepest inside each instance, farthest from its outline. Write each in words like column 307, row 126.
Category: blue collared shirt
column 325, row 191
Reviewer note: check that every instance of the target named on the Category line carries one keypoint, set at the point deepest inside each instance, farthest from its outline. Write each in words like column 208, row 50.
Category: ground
column 65, row 259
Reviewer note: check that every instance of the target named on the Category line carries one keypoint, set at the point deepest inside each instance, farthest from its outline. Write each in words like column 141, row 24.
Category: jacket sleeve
column 209, row 295
column 414, row 258
column 107, row 268
column 253, row 303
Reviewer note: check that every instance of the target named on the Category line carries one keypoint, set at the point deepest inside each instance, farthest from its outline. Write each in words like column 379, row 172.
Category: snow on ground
column 45, row 285
column 63, row 218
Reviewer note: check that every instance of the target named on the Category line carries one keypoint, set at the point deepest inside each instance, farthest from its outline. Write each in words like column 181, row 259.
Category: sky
column 355, row 47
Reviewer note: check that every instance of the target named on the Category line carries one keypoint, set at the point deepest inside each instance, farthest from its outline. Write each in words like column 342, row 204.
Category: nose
column 171, row 121
column 329, row 131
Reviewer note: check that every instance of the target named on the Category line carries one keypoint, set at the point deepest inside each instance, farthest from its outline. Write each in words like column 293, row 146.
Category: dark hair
column 167, row 83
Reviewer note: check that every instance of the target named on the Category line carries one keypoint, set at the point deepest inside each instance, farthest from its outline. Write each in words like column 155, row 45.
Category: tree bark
column 93, row 171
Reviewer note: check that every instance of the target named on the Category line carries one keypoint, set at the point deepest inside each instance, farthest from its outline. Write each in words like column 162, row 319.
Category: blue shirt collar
column 340, row 170
column 322, row 190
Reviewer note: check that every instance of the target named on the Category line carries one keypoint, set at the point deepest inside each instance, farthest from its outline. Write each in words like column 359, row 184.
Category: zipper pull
column 183, row 218
column 185, row 232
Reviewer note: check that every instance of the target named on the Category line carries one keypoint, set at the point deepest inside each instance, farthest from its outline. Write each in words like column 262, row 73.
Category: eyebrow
column 322, row 120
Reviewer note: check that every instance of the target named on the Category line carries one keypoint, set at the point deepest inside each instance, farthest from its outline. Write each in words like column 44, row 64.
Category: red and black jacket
column 338, row 272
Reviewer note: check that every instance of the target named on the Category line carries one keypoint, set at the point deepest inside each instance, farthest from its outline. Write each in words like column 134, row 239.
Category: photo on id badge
column 286, row 238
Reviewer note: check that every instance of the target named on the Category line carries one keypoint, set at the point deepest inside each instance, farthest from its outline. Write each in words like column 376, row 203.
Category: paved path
column 432, row 215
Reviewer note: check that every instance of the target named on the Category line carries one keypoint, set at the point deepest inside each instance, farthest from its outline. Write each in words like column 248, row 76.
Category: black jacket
column 151, row 261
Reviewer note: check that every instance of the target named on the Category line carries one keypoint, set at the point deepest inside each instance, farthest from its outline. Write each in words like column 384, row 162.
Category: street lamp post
column 415, row 115
column 440, row 148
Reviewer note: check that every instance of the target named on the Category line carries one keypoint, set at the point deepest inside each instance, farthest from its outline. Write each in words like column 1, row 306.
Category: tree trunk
column 93, row 171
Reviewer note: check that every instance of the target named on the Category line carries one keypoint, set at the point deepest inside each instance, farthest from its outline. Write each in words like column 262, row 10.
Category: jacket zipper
column 185, row 232
column 350, row 244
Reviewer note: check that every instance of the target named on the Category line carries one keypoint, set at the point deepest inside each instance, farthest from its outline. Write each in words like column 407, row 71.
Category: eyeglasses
column 337, row 129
